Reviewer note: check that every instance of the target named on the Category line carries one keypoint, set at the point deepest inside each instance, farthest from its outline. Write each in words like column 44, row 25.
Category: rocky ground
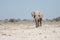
column 28, row 31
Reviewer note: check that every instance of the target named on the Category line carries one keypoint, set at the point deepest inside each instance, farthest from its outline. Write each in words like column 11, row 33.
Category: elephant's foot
column 40, row 25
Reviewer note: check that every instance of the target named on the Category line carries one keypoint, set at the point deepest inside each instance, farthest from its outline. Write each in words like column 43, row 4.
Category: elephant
column 37, row 15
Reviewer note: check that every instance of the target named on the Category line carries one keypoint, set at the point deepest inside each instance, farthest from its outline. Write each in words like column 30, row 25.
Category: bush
column 57, row 19
column 13, row 20
column 24, row 19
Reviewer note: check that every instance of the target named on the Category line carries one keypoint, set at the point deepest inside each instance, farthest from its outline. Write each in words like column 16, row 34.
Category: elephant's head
column 37, row 14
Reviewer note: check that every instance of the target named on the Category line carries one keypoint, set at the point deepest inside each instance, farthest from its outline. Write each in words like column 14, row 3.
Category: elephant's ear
column 41, row 14
column 33, row 14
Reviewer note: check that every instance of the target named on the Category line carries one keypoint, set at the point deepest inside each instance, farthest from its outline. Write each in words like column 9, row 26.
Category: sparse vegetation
column 24, row 19
column 56, row 19
column 13, row 20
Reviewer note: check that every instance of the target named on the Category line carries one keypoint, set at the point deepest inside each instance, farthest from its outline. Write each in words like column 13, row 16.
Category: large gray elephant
column 37, row 15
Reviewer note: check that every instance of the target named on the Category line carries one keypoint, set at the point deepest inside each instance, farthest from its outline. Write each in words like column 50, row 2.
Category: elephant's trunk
column 37, row 23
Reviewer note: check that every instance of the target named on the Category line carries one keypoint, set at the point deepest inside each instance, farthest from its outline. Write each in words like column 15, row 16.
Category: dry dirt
column 28, row 31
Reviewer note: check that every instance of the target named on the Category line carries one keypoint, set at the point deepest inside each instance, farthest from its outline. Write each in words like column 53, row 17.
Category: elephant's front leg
column 37, row 23
column 40, row 21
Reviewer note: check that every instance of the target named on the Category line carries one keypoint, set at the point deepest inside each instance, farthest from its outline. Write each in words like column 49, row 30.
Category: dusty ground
column 28, row 31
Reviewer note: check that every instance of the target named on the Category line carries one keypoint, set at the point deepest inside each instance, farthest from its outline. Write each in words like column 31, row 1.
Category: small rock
column 45, row 37
column 53, row 31
column 9, row 35
column 4, row 34
column 40, row 33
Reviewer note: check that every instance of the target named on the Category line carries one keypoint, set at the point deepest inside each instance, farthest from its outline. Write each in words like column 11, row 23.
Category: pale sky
column 22, row 8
